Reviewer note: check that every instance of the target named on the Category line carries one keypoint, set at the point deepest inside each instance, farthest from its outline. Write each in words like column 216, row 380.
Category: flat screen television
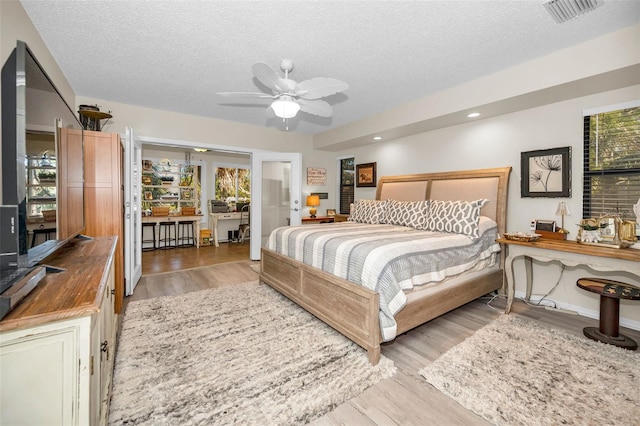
column 42, row 158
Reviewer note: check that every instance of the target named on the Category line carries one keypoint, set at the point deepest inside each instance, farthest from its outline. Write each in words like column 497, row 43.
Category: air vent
column 564, row 10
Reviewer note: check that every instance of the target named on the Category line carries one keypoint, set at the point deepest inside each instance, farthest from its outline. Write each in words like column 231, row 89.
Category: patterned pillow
column 368, row 211
column 407, row 213
column 459, row 217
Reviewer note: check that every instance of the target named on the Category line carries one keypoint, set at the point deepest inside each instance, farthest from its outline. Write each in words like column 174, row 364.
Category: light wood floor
column 406, row 398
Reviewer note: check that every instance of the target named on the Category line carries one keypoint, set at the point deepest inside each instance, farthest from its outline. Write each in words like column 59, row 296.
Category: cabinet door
column 41, row 371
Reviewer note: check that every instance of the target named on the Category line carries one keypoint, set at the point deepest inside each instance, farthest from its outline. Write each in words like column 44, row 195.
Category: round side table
column 610, row 294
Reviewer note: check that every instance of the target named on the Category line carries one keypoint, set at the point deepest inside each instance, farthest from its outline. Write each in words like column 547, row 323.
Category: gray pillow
column 459, row 217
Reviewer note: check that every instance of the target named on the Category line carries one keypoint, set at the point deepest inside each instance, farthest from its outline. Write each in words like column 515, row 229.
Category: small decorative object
column 316, row 176
column 146, row 180
column 522, row 236
column 46, row 176
column 186, row 194
column 167, row 179
column 147, row 165
column 636, row 210
column 331, row 212
column 563, row 210
column 313, row 201
column 546, row 173
column 148, row 195
column 589, row 231
column 366, row 175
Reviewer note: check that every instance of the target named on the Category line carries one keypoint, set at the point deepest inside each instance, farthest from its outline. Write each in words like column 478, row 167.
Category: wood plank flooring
column 406, row 398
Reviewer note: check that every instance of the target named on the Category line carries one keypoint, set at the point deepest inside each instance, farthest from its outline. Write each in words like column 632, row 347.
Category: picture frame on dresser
column 546, row 173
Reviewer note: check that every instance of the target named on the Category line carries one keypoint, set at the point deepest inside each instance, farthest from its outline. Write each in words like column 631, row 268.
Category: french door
column 132, row 211
column 275, row 195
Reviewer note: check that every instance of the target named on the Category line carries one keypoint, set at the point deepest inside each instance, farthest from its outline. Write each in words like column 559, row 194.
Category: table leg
column 197, row 236
column 508, row 267
column 528, row 266
column 215, row 231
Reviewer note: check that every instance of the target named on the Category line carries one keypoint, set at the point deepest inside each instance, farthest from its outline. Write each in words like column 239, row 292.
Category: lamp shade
column 285, row 107
column 313, row 200
column 563, row 209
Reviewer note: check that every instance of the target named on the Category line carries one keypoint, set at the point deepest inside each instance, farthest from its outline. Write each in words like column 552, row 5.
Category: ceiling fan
column 288, row 96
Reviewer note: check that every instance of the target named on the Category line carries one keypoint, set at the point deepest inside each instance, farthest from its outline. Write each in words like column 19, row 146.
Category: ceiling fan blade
column 315, row 107
column 320, row 87
column 269, row 77
column 245, row 95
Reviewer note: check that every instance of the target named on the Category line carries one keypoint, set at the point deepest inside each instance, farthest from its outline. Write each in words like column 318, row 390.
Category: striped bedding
column 387, row 258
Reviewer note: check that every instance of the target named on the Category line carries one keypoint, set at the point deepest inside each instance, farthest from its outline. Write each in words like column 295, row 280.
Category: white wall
column 498, row 142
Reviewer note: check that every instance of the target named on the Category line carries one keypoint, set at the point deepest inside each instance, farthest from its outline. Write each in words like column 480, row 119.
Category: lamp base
column 313, row 211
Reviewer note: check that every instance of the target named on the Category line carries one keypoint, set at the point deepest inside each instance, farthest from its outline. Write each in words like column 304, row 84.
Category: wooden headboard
column 467, row 185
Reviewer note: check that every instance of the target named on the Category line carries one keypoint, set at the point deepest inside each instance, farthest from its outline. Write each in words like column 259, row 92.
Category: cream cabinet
column 58, row 371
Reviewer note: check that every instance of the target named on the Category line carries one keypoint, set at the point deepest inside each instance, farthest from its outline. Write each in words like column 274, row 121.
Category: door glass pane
column 276, row 196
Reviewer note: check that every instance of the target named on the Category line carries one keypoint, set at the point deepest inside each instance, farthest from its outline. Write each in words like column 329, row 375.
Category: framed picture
column 147, row 164
column 316, row 176
column 148, row 195
column 608, row 229
column 366, row 174
column 546, row 173
column 186, row 194
column 546, row 225
column 331, row 212
column 146, row 180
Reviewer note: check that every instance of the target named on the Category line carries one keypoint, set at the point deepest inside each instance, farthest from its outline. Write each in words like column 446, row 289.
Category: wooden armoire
column 104, row 196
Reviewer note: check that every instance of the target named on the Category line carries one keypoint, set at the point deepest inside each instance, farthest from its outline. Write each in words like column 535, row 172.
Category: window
column 611, row 163
column 233, row 184
column 347, row 182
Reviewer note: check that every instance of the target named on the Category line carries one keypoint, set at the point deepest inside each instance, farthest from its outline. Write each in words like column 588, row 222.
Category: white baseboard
column 589, row 313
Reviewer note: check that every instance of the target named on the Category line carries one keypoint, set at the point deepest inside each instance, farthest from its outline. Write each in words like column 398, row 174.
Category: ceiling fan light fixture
column 285, row 107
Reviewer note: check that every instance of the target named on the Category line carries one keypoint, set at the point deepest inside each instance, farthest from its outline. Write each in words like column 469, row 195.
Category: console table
column 214, row 218
column 569, row 253
column 317, row 219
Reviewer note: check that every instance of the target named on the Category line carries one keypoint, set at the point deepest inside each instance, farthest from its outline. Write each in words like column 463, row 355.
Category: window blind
column 347, row 193
column 611, row 163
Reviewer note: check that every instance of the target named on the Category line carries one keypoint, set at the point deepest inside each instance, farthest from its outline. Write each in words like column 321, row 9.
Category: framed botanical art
column 546, row 173
column 366, row 174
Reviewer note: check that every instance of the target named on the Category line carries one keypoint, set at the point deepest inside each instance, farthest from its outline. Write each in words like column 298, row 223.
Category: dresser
column 57, row 346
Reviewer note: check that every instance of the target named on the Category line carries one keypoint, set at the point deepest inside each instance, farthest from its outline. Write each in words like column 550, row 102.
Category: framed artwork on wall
column 366, row 174
column 546, row 173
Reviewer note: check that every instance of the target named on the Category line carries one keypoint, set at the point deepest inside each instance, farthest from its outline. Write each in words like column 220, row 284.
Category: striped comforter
column 386, row 258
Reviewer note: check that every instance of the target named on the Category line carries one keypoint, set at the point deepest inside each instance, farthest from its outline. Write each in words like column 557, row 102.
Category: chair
column 167, row 241
column 45, row 231
column 244, row 228
column 149, row 241
column 186, row 234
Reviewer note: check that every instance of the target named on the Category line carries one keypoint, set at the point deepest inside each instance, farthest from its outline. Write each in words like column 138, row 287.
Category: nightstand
column 318, row 219
column 340, row 217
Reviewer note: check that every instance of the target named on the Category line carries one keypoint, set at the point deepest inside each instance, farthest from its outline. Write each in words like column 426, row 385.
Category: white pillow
column 407, row 213
column 459, row 217
column 368, row 211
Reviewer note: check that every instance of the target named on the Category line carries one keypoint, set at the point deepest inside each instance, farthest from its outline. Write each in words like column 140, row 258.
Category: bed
column 354, row 309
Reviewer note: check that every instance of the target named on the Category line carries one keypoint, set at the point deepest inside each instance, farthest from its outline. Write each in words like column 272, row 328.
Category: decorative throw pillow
column 459, row 217
column 407, row 213
column 368, row 211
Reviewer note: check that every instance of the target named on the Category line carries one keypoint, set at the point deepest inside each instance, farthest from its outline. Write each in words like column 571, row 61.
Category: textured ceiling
column 176, row 55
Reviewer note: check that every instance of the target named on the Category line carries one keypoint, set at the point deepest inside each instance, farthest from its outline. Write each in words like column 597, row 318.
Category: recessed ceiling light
column 473, row 115
column 377, row 138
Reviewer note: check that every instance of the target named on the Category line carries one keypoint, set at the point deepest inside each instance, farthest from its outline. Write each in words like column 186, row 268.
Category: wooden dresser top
column 74, row 292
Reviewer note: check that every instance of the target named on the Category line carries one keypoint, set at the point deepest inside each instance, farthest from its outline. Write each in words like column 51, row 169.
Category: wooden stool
column 167, row 241
column 186, row 232
column 610, row 294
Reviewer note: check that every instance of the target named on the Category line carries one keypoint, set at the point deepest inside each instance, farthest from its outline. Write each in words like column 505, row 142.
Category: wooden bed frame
column 352, row 309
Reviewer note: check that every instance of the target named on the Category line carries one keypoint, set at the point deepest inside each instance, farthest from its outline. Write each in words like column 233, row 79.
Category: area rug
column 515, row 371
column 239, row 354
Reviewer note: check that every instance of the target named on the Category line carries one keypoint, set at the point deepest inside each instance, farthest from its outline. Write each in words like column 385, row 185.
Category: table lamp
column 313, row 201
column 563, row 210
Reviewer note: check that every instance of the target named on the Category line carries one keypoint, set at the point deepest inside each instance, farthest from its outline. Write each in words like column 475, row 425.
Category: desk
column 215, row 217
column 569, row 253
column 318, row 219
column 192, row 218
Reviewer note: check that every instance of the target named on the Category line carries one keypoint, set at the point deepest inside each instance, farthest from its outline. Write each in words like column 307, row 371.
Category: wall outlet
column 533, row 225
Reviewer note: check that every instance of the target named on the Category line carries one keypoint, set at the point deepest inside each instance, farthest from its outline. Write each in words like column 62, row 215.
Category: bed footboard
column 350, row 309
